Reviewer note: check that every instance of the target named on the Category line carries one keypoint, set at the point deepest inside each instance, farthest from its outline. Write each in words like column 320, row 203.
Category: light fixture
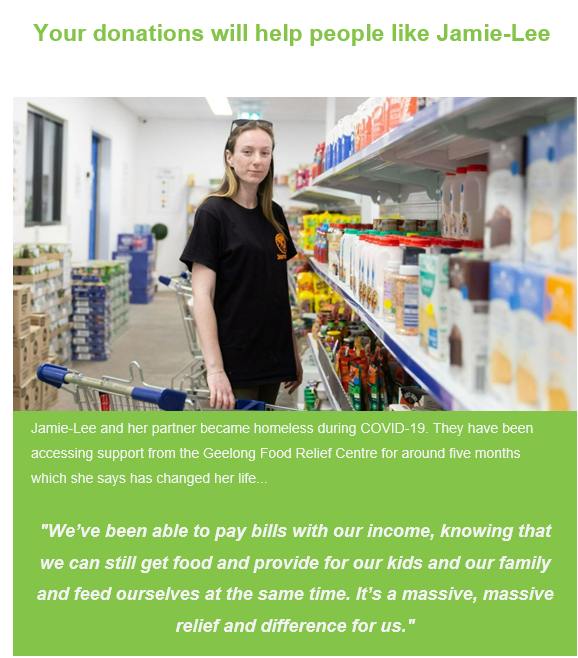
column 219, row 105
column 252, row 116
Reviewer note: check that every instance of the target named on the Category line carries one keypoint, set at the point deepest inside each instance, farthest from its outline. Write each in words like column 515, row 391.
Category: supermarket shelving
column 454, row 132
column 335, row 394
column 328, row 199
column 431, row 374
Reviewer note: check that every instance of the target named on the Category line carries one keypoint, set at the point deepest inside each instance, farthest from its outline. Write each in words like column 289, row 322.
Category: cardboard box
column 468, row 312
column 42, row 321
column 504, row 222
column 542, row 194
column 567, row 182
column 45, row 389
column 35, row 346
column 21, row 310
column 503, row 331
column 531, row 339
column 433, row 304
column 560, row 384
column 21, row 363
column 22, row 396
column 34, row 386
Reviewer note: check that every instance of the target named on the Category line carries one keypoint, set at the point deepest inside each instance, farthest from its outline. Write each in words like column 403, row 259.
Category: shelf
column 327, row 199
column 431, row 374
column 454, row 132
column 335, row 394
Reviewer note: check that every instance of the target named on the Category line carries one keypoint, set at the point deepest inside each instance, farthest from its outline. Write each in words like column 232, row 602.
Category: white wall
column 196, row 147
column 82, row 116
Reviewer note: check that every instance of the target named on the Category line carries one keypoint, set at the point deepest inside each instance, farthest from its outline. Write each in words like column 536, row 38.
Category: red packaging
column 408, row 107
column 395, row 103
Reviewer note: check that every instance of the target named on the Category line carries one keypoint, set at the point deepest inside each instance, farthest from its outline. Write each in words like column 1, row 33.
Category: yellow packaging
column 305, row 282
column 306, row 301
column 319, row 286
column 322, row 302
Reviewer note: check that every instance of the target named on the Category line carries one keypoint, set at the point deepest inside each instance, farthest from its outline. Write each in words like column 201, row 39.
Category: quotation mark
column 45, row 526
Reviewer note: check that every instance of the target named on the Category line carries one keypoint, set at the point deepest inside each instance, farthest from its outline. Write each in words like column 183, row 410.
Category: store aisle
column 155, row 338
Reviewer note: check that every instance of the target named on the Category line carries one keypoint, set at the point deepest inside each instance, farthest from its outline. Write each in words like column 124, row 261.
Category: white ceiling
column 291, row 108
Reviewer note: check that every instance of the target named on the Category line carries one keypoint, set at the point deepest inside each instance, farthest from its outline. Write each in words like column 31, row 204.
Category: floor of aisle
column 155, row 338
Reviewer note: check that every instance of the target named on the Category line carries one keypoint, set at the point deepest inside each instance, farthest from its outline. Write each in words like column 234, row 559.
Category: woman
column 237, row 253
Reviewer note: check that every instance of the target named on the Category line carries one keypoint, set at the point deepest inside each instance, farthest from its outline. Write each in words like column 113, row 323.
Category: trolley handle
column 167, row 399
column 166, row 280
column 49, row 373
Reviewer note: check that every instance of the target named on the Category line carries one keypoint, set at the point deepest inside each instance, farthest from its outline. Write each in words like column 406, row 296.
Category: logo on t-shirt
column 281, row 243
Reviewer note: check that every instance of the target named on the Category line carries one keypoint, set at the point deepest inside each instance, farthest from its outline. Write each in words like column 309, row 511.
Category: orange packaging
column 379, row 119
column 408, row 107
column 560, row 384
column 358, row 132
column 368, row 128
column 395, row 103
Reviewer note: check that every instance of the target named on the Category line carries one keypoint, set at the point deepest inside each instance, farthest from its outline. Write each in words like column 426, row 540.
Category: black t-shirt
column 251, row 295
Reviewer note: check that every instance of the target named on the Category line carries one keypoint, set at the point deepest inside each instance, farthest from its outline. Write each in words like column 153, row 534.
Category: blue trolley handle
column 166, row 399
column 166, row 280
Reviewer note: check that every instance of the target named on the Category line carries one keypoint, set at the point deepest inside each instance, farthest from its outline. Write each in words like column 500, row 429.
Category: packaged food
column 542, row 195
column 468, row 321
column 504, row 225
column 407, row 225
column 322, row 302
column 445, row 198
column 306, row 301
column 503, row 331
column 408, row 107
column 374, row 388
column 427, row 225
column 560, row 384
column 473, row 203
column 455, row 202
column 354, row 385
column 390, row 274
column 531, row 339
column 433, row 305
column 395, row 111
column 567, row 186
column 407, row 300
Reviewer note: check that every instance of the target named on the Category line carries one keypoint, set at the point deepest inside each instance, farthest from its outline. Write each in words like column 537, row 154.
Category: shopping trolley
column 193, row 375
column 133, row 394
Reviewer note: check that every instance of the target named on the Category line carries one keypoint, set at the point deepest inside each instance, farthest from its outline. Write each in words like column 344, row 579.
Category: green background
column 539, row 489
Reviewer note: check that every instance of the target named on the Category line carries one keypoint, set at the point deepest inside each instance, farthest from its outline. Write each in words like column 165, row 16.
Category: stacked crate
column 138, row 252
column 100, row 307
column 45, row 268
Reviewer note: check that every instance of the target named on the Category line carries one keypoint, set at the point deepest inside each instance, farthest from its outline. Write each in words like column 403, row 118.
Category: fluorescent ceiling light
column 219, row 105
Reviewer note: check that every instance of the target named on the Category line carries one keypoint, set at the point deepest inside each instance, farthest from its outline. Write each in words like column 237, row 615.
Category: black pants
column 266, row 393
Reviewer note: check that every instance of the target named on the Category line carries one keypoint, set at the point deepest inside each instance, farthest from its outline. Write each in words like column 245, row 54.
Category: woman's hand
column 293, row 386
column 220, row 389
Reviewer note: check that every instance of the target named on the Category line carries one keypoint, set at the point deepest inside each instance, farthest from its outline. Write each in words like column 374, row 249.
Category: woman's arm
column 203, row 287
column 293, row 386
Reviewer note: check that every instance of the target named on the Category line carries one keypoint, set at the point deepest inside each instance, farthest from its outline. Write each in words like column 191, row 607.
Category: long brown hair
column 230, row 184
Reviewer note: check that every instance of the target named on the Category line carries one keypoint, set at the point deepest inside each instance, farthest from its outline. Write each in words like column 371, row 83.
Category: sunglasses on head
column 243, row 122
